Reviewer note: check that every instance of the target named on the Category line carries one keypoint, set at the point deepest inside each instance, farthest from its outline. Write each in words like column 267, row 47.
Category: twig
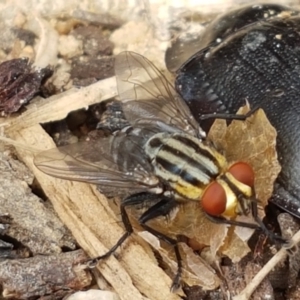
column 279, row 256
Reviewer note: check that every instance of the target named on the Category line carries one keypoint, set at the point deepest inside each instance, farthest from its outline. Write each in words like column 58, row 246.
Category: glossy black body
column 187, row 45
column 258, row 63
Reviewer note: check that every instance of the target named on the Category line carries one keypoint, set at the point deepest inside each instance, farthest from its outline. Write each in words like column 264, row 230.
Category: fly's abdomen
column 185, row 163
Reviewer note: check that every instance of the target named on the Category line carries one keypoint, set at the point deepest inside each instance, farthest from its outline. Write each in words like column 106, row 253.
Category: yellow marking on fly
column 244, row 188
column 231, row 200
column 188, row 191
column 233, row 206
column 220, row 158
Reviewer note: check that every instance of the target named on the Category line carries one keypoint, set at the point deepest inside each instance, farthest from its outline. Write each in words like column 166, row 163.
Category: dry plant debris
column 252, row 141
column 31, row 223
column 94, row 295
column 19, row 83
column 135, row 272
column 281, row 255
column 197, row 272
column 43, row 275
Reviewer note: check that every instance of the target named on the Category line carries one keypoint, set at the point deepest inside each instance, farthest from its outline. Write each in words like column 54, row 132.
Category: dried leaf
column 234, row 247
column 195, row 270
column 252, row 141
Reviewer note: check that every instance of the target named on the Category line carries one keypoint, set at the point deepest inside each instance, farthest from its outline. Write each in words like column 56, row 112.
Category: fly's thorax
column 186, row 164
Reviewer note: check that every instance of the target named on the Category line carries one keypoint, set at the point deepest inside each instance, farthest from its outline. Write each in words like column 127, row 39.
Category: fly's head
column 231, row 193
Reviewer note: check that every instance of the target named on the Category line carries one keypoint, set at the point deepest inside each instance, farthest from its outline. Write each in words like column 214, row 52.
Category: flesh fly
column 162, row 157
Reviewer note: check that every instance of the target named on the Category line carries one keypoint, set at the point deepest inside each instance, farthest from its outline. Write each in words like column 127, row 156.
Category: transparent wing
column 117, row 161
column 149, row 99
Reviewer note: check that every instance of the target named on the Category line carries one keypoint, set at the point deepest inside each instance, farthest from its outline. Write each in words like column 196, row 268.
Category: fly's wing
column 149, row 99
column 116, row 161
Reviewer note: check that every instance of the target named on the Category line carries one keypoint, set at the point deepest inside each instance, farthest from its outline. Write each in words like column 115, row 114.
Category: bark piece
column 42, row 275
column 31, row 223
column 19, row 83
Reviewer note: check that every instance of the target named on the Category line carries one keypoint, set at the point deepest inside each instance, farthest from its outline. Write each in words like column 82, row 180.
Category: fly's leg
column 128, row 227
column 260, row 225
column 254, row 211
column 272, row 236
column 163, row 208
column 222, row 220
column 129, row 201
column 225, row 116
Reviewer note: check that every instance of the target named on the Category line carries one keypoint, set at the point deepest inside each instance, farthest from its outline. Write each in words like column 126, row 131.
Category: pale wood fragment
column 59, row 106
column 86, row 212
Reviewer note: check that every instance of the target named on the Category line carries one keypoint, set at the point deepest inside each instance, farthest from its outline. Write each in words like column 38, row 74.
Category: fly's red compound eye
column 214, row 199
column 242, row 172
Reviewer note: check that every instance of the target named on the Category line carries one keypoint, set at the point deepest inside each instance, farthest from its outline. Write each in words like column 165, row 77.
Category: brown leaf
column 252, row 141
column 195, row 270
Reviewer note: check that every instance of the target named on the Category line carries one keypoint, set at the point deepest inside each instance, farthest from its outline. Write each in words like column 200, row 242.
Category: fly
column 162, row 157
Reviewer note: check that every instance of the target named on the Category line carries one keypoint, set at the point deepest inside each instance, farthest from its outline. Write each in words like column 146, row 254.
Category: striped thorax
column 195, row 170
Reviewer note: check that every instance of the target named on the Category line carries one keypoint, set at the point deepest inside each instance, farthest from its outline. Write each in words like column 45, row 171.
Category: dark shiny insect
column 255, row 56
column 185, row 47
column 162, row 157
